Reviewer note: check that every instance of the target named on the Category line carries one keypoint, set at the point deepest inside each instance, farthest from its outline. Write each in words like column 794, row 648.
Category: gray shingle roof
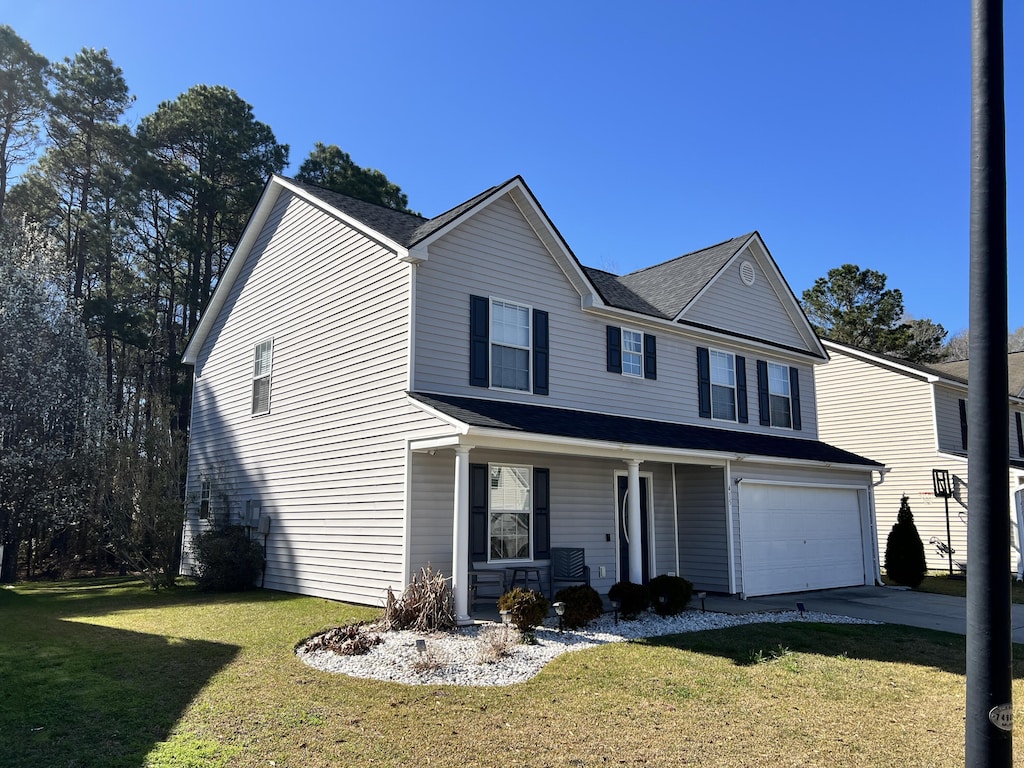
column 564, row 422
column 1014, row 365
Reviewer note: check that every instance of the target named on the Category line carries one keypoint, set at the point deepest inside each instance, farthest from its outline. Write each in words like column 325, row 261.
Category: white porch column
column 636, row 551
column 460, row 536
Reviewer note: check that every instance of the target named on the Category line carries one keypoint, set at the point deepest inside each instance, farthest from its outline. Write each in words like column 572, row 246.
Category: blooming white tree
column 52, row 407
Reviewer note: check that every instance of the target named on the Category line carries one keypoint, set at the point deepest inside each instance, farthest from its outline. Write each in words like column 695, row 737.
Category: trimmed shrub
column 582, row 605
column 527, row 609
column 904, row 552
column 670, row 594
column 227, row 560
column 633, row 599
column 426, row 605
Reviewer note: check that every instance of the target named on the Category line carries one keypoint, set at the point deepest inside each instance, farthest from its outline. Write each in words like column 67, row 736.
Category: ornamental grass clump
column 349, row 640
column 670, row 594
column 904, row 551
column 527, row 610
column 426, row 605
column 582, row 605
column 633, row 599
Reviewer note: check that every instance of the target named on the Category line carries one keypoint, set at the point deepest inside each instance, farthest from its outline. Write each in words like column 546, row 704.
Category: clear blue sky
column 840, row 131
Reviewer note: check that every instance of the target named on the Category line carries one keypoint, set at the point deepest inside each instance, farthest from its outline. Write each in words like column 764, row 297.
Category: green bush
column 582, row 605
column 633, row 599
column 670, row 594
column 904, row 552
column 526, row 608
column 226, row 560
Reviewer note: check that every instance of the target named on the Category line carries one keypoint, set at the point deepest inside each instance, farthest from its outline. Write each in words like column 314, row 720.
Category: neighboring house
column 913, row 418
column 387, row 391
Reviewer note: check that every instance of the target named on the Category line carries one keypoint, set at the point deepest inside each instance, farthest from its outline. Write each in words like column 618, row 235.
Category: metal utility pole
column 989, row 721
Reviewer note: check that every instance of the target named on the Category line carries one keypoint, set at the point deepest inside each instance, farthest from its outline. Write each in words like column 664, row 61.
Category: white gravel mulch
column 459, row 658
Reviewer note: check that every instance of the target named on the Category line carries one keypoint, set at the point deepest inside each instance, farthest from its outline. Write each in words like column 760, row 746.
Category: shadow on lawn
column 750, row 643
column 75, row 693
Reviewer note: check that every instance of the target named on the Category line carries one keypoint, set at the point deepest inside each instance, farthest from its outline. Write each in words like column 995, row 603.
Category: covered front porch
column 494, row 496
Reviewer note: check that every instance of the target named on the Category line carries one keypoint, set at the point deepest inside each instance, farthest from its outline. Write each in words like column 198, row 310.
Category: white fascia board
column 775, row 460
column 253, row 227
column 459, row 427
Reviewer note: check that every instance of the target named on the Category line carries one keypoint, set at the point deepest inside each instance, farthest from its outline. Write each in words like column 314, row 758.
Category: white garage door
column 795, row 538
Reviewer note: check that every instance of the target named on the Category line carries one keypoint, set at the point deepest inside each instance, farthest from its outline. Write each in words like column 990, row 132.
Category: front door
column 621, row 516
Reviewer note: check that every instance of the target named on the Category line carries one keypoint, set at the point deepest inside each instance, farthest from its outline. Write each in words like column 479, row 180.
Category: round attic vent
column 747, row 273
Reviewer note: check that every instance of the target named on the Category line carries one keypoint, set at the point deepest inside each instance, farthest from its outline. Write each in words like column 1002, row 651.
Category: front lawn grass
column 109, row 674
column 941, row 583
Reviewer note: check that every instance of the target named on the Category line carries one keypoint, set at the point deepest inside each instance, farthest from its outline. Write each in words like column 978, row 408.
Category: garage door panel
column 796, row 538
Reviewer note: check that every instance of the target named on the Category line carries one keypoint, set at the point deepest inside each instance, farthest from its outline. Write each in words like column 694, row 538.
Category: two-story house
column 913, row 418
column 385, row 391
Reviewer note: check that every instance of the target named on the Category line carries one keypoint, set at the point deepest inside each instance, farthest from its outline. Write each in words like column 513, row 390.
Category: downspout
column 873, row 523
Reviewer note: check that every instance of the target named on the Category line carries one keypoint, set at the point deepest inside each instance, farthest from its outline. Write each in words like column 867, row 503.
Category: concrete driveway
column 891, row 605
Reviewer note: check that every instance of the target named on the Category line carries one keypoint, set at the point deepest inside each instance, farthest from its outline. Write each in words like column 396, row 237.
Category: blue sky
column 839, row 131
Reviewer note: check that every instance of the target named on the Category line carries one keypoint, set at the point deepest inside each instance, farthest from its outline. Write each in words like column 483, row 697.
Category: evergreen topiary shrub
column 633, row 599
column 904, row 552
column 227, row 560
column 582, row 605
column 670, row 594
column 527, row 609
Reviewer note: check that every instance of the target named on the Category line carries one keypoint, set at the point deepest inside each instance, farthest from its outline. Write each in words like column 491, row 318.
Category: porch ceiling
column 487, row 419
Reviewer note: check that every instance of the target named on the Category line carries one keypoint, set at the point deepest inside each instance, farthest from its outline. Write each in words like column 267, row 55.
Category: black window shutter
column 1020, row 436
column 764, row 405
column 541, row 513
column 741, row 390
column 650, row 357
column 963, row 423
column 794, row 395
column 478, row 490
column 479, row 337
column 614, row 349
column 704, row 382
column 540, row 352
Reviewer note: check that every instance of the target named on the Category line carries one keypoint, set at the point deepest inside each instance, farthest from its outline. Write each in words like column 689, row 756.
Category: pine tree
column 904, row 551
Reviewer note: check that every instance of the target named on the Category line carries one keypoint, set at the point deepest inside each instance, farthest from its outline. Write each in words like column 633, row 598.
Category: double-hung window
column 510, row 506
column 205, row 497
column 632, row 353
column 779, row 398
column 723, row 385
column 262, row 363
column 510, row 345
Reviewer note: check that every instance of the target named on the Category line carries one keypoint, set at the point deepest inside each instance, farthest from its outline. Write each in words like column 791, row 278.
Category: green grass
column 942, row 584
column 106, row 673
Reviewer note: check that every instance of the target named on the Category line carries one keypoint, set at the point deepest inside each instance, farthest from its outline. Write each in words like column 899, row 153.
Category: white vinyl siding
column 328, row 464
column 755, row 311
column 498, row 254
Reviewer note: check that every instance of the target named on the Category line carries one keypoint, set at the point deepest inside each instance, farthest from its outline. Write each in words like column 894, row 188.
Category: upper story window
column 723, row 386
column 778, row 395
column 631, row 353
column 780, row 404
column 263, row 357
column 510, row 512
column 510, row 345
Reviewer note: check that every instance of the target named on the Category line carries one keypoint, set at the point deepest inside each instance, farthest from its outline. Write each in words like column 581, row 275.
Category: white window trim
column 789, row 396
column 735, row 386
column 268, row 376
column 491, row 343
column 622, row 352
column 529, row 474
column 205, row 497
